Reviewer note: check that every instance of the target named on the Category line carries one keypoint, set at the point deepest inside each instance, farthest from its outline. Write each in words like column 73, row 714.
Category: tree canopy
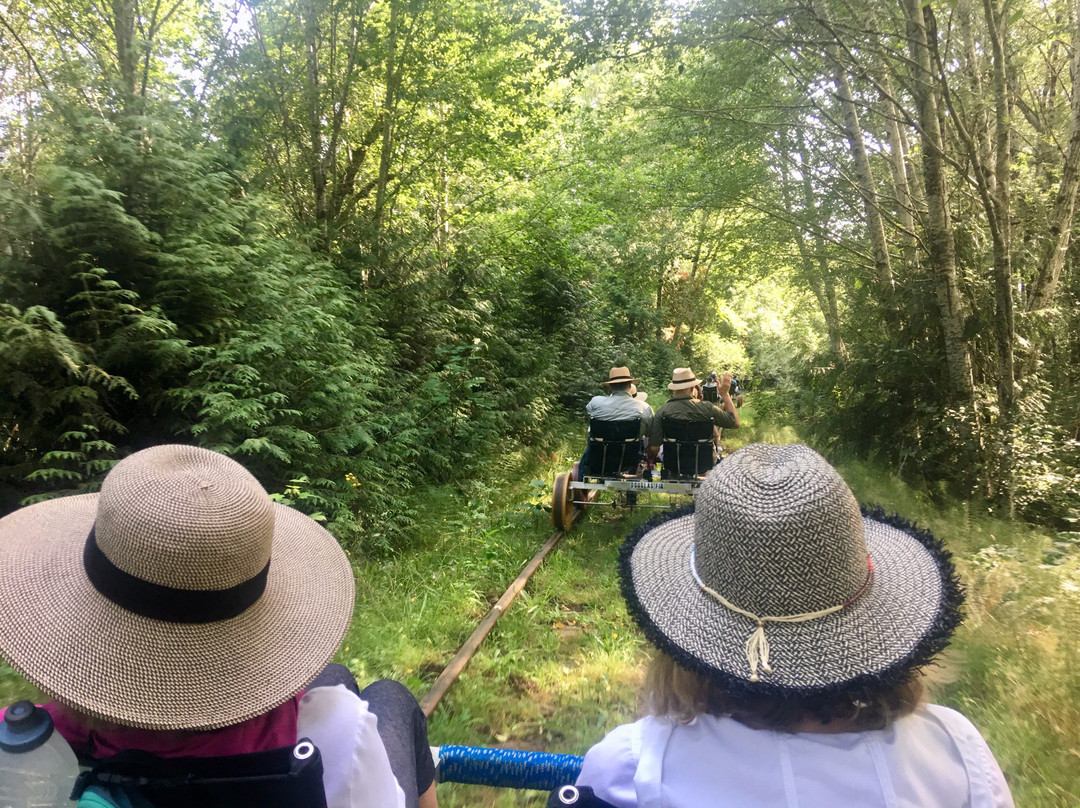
column 359, row 244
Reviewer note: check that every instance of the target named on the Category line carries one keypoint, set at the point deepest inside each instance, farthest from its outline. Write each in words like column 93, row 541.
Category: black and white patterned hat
column 777, row 584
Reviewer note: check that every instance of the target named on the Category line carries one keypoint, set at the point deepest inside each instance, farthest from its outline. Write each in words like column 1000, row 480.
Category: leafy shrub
column 55, row 427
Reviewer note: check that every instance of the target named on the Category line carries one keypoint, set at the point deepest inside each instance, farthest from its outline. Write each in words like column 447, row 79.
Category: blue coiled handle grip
column 506, row 768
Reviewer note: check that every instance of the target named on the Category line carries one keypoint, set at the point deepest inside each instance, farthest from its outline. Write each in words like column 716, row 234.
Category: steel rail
column 457, row 664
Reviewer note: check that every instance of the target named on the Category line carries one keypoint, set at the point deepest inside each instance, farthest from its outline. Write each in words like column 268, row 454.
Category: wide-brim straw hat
column 635, row 393
column 181, row 597
column 681, row 378
column 620, row 375
column 777, row 584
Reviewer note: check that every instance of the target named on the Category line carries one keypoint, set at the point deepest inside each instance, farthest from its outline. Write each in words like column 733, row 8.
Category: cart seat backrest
column 614, row 446
column 688, row 448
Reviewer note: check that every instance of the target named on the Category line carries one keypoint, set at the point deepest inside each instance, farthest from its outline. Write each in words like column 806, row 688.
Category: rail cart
column 615, row 463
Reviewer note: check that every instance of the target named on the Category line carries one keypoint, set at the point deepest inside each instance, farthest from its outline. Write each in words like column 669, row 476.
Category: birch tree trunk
column 309, row 13
column 899, row 165
column 864, row 175
column 382, row 182
column 1052, row 259
column 817, row 274
column 123, row 25
column 827, row 301
column 941, row 245
column 1001, row 213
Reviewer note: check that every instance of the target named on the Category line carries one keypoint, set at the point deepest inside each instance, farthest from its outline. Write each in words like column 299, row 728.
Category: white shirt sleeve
column 356, row 769
column 610, row 766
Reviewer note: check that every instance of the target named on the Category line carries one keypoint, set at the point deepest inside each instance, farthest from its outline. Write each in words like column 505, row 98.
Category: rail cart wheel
column 579, row 494
column 562, row 503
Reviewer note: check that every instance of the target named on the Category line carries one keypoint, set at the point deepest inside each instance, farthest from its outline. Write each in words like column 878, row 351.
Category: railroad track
column 457, row 664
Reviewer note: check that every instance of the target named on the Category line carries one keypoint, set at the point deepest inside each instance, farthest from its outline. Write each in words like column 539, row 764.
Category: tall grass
column 561, row 667
column 565, row 664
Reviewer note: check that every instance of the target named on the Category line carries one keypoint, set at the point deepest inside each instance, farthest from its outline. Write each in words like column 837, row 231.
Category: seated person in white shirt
column 791, row 630
column 621, row 402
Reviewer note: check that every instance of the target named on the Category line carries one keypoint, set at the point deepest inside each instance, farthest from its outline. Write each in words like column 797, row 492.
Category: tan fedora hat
column 180, row 597
column 620, row 375
column 681, row 378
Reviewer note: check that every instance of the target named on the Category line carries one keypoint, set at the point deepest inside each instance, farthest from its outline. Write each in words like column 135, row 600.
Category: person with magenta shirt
column 181, row 612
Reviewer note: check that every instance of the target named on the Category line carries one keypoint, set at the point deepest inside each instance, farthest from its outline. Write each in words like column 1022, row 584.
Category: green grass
column 560, row 668
column 564, row 664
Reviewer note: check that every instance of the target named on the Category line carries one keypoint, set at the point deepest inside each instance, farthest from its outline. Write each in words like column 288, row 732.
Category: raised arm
column 723, row 389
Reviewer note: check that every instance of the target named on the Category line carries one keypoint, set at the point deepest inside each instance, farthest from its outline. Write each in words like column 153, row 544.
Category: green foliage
column 53, row 417
column 383, row 240
column 293, row 392
column 1045, row 459
column 783, row 333
column 886, row 402
column 716, row 353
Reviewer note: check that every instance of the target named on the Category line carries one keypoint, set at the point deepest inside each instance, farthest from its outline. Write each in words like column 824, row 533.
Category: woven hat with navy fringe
column 777, row 584
column 180, row 597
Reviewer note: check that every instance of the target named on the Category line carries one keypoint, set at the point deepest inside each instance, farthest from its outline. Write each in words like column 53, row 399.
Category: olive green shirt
column 688, row 409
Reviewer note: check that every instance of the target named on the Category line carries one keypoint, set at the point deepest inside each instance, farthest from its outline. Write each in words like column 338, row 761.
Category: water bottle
column 37, row 767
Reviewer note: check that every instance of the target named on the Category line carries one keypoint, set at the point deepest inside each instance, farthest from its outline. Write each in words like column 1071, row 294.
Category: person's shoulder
column 335, row 704
column 595, row 403
column 933, row 725
column 623, row 743
column 986, row 781
column 697, row 408
column 953, row 721
column 610, row 766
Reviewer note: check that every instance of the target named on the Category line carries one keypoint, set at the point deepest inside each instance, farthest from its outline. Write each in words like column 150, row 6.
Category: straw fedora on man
column 779, row 585
column 682, row 378
column 179, row 597
column 620, row 375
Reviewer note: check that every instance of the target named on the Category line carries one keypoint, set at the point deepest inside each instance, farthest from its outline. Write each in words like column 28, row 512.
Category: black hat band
column 168, row 603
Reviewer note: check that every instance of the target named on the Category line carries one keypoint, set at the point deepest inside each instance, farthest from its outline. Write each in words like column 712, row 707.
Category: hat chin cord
column 757, row 645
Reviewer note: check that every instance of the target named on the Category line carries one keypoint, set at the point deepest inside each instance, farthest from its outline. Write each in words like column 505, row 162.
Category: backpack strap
column 289, row 777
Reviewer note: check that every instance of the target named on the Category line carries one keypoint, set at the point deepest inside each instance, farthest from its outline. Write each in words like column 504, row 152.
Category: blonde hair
column 671, row 690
